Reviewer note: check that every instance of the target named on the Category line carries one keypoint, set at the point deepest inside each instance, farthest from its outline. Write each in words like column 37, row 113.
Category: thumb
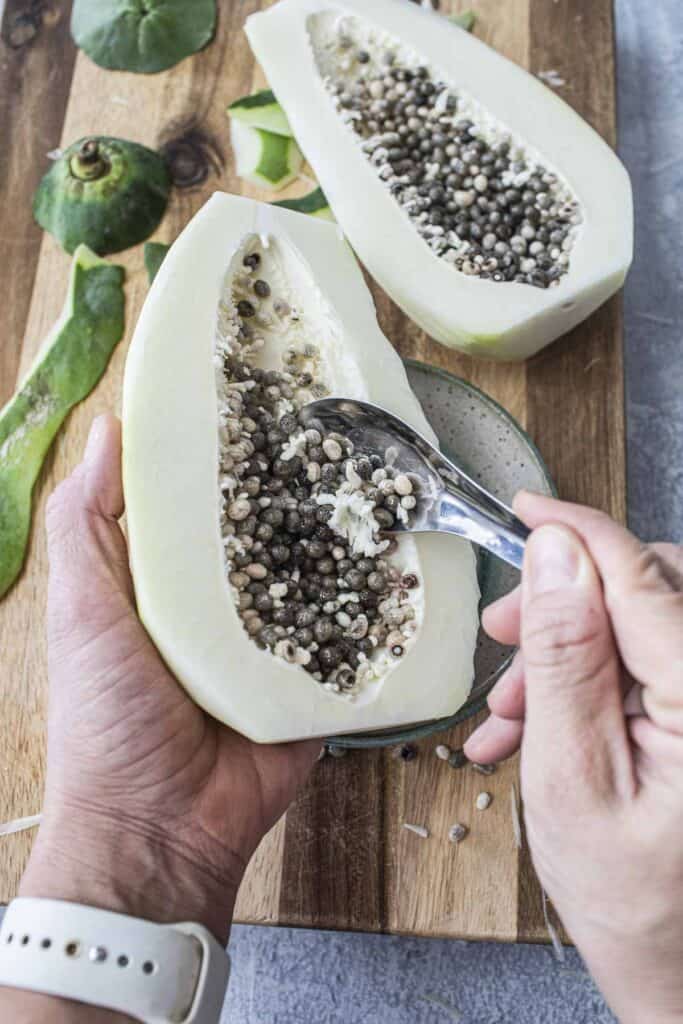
column 574, row 710
column 89, row 584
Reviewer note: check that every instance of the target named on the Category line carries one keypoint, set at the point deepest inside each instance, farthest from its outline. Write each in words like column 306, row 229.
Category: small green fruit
column 106, row 193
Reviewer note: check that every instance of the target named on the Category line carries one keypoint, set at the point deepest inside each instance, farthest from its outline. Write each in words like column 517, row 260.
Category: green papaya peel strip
column 261, row 110
column 69, row 365
column 154, row 254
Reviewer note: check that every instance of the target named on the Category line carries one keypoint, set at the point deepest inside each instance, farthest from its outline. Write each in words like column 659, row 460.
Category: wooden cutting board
column 340, row 859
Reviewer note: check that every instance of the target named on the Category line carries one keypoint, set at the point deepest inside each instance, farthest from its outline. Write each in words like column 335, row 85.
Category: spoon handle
column 473, row 513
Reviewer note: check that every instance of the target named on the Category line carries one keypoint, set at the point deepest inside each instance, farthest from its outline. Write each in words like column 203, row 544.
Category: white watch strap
column 157, row 974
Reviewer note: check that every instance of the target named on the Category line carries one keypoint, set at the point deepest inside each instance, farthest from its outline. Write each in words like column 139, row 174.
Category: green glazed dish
column 490, row 445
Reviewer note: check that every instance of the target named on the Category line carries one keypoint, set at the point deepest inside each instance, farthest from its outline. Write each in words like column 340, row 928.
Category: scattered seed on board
column 406, row 752
column 418, row 830
column 483, row 801
column 455, row 758
column 484, row 769
column 457, row 832
column 336, row 751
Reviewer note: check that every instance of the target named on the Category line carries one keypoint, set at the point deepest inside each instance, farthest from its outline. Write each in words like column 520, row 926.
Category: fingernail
column 553, row 559
column 95, row 437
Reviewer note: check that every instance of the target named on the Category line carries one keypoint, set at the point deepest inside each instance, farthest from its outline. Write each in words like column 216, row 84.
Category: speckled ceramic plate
column 479, row 435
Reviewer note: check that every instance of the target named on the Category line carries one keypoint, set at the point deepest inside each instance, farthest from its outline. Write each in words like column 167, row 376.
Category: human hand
column 596, row 613
column 151, row 807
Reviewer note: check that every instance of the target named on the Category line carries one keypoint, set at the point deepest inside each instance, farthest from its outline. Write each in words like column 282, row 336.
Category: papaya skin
column 313, row 203
column 261, row 110
column 72, row 360
column 154, row 255
column 103, row 192
column 277, row 159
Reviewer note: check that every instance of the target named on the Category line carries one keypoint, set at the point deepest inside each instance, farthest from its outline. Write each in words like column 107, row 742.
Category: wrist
column 640, row 980
column 28, row 1007
column 132, row 867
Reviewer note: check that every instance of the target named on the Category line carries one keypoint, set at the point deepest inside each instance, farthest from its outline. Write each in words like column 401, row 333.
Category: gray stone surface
column 650, row 52
column 292, row 977
column 296, row 977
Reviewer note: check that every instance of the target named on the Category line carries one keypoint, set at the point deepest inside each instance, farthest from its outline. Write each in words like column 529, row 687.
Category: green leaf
column 465, row 20
column 261, row 110
column 313, row 203
column 106, row 193
column 142, row 35
column 154, row 254
column 73, row 358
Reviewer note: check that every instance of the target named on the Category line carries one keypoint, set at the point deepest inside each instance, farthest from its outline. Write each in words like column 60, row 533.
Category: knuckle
column 563, row 635
column 652, row 573
column 645, row 569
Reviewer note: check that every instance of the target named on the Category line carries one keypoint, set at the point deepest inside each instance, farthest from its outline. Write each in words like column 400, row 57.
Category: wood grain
column 36, row 64
column 341, row 858
column 258, row 900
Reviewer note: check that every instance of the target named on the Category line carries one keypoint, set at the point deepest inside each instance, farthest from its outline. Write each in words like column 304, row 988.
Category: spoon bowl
column 448, row 500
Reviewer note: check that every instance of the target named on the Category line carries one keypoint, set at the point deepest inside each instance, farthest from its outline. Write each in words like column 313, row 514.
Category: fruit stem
column 88, row 163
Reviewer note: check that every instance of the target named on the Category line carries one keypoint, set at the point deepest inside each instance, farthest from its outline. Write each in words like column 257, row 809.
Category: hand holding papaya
column 152, row 808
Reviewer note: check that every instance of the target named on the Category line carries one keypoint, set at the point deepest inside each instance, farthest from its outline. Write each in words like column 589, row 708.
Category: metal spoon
column 449, row 501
